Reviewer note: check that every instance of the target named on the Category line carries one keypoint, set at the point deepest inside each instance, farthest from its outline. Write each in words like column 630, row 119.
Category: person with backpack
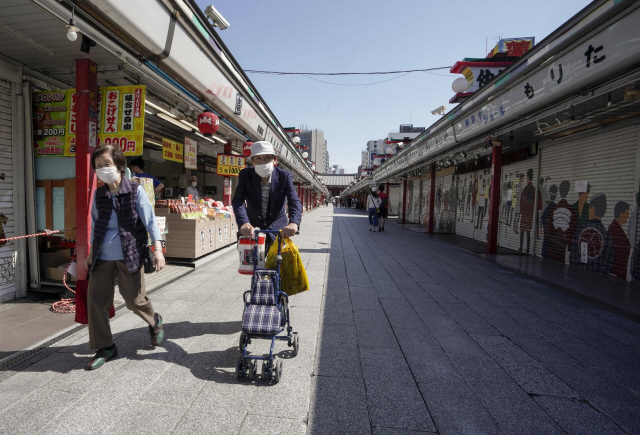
column 373, row 205
column 384, row 206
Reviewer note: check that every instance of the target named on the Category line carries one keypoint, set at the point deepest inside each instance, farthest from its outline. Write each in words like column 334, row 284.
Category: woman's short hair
column 115, row 153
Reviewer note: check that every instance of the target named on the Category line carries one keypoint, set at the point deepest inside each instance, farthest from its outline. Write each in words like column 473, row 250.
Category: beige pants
column 100, row 298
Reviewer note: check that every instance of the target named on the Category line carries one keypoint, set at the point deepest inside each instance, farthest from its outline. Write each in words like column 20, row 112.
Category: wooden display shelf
column 188, row 238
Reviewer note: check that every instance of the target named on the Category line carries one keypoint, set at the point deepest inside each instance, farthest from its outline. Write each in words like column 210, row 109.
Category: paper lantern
column 208, row 123
column 460, row 85
column 246, row 148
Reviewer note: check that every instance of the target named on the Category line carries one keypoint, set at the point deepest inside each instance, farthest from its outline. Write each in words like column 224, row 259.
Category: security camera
column 216, row 18
column 439, row 111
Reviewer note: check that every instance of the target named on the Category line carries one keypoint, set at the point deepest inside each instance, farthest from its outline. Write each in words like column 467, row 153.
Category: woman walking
column 121, row 217
column 373, row 205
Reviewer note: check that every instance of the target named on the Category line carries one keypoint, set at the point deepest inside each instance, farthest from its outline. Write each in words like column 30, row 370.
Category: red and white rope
column 66, row 305
column 46, row 233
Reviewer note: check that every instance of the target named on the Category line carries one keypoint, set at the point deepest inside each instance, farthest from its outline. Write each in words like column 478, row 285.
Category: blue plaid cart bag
column 266, row 316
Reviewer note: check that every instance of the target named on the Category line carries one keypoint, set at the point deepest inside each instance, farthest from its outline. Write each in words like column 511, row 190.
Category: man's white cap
column 262, row 147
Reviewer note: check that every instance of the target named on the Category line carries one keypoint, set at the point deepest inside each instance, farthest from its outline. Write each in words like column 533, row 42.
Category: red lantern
column 246, row 148
column 208, row 123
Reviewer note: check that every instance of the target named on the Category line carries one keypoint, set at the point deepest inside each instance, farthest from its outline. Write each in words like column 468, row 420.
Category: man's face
column 262, row 159
column 135, row 169
column 624, row 217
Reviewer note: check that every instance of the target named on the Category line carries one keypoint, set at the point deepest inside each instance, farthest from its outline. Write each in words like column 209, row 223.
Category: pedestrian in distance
column 373, row 205
column 384, row 206
column 121, row 217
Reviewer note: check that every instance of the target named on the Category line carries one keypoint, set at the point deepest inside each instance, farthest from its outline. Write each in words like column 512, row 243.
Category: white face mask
column 108, row 175
column 194, row 183
column 264, row 170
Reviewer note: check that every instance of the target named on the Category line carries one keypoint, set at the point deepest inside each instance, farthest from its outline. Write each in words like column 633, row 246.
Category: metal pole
column 494, row 198
column 226, row 196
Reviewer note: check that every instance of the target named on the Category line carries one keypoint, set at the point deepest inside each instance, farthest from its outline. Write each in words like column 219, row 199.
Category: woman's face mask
column 194, row 183
column 108, row 175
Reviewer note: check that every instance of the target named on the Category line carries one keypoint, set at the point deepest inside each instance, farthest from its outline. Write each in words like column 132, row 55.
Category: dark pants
column 100, row 298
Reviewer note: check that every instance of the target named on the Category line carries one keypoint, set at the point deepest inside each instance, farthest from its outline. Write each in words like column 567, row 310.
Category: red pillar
column 404, row 200
column 226, row 195
column 432, row 198
column 86, row 104
column 494, row 198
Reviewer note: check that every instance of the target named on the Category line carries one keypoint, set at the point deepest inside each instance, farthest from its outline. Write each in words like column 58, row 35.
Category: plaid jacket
column 132, row 244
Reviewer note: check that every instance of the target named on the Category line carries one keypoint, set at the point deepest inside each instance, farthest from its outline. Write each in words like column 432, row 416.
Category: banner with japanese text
column 172, row 150
column 120, row 119
column 229, row 164
column 50, row 111
column 190, row 153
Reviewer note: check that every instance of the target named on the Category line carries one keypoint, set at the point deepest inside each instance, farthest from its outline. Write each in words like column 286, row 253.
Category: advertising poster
column 50, row 111
column 172, row 150
column 230, row 164
column 190, row 153
column 120, row 119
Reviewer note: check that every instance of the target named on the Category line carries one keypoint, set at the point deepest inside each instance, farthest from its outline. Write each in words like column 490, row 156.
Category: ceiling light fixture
column 207, row 138
column 72, row 33
column 155, row 106
column 195, row 127
column 152, row 142
column 169, row 119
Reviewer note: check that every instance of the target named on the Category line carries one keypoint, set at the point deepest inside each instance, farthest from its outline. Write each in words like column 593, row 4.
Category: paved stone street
column 399, row 334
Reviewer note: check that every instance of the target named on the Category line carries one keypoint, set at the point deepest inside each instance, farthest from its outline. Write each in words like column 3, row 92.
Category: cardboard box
column 54, row 258
column 54, row 273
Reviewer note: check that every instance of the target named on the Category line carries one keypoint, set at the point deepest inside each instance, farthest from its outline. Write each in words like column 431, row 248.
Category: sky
column 368, row 36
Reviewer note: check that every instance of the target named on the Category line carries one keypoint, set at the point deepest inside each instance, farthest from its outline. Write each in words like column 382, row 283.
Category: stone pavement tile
column 310, row 298
column 542, row 350
column 338, row 406
column 469, row 319
column 337, row 310
column 290, row 397
column 525, row 370
column 262, row 425
column 455, row 408
column 577, row 416
column 364, row 298
column 77, row 380
column 147, row 418
column 620, row 404
column 373, row 330
column 439, row 293
column 377, row 430
column 393, row 397
column 34, row 377
column 34, row 412
column 513, row 410
column 337, row 352
column 422, row 302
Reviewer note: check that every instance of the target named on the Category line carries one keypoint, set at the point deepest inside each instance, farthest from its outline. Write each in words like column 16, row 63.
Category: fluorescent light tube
column 169, row 118
column 155, row 106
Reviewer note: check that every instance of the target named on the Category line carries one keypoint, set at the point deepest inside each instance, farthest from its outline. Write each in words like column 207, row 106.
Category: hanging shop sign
column 50, row 122
column 172, row 150
column 190, row 153
column 270, row 136
column 229, row 164
column 120, row 115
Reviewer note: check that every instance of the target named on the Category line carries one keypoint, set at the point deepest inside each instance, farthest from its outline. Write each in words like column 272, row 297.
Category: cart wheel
column 266, row 372
column 296, row 344
column 253, row 370
column 277, row 373
column 242, row 340
column 239, row 374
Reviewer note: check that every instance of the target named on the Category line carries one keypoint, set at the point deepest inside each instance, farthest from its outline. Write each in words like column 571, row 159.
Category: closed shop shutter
column 473, row 216
column 426, row 191
column 7, row 272
column 517, row 204
column 590, row 180
column 445, row 202
column 394, row 200
column 465, row 210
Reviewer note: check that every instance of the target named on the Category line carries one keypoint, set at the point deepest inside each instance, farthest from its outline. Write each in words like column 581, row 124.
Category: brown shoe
column 157, row 332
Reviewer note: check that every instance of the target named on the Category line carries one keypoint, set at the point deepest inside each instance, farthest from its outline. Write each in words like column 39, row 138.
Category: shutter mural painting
column 592, row 194
column 7, row 253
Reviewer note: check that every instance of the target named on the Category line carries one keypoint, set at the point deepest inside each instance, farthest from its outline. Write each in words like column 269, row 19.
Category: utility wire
column 344, row 73
column 359, row 84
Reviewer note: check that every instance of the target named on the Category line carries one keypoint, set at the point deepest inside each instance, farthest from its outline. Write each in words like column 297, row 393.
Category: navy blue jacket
column 247, row 201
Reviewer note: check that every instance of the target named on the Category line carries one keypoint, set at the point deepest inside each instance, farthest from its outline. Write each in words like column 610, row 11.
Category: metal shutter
column 444, row 209
column 394, row 200
column 605, row 161
column 426, row 190
column 514, row 181
column 7, row 255
column 465, row 210
column 473, row 216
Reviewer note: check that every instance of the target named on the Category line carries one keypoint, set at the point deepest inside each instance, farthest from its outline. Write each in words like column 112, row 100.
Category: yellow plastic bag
column 293, row 275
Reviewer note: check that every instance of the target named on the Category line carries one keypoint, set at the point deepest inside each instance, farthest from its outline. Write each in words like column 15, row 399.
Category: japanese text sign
column 230, row 164
column 50, row 111
column 190, row 153
column 172, row 150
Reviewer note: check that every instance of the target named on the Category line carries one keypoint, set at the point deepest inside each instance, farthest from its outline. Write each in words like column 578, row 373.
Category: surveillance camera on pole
column 216, row 18
column 439, row 111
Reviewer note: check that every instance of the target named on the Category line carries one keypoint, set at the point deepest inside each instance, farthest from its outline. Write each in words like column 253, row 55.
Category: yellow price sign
column 230, row 165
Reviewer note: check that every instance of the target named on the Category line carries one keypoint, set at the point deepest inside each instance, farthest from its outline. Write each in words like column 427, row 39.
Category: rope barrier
column 46, row 233
column 66, row 305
